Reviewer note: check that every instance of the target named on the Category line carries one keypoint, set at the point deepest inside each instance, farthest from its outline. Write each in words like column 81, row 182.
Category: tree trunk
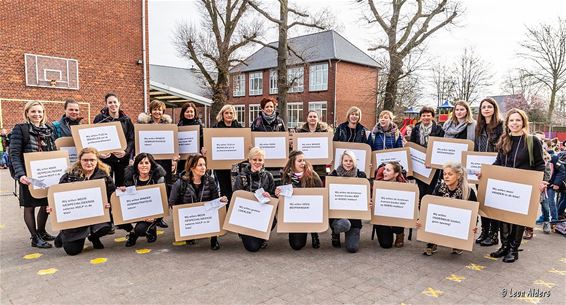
column 219, row 93
column 551, row 104
column 282, row 53
column 395, row 71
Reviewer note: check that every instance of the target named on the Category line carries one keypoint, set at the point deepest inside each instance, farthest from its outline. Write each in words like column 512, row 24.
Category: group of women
column 510, row 139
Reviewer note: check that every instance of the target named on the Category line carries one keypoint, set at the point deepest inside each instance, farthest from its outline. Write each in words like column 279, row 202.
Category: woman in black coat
column 87, row 167
column 268, row 119
column 32, row 136
column 144, row 171
column 195, row 185
column 352, row 130
column 189, row 116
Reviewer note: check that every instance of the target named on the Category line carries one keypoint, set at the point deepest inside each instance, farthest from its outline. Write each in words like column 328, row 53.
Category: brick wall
column 356, row 86
column 104, row 37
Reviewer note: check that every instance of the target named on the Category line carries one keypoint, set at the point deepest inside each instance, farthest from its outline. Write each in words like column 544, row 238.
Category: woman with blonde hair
column 460, row 125
column 351, row 130
column 34, row 135
column 385, row 134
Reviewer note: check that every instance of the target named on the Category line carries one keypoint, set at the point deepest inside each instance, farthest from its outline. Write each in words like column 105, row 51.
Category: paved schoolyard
column 164, row 273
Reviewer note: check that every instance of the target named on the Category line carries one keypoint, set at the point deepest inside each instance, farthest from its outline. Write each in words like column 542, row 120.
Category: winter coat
column 435, row 132
column 260, row 124
column 63, row 126
column 183, row 191
column 558, row 172
column 221, row 124
column 132, row 178
column 380, row 140
column 127, row 127
column 486, row 141
column 250, row 181
column 20, row 144
column 193, row 123
column 144, row 118
column 343, row 133
column 518, row 156
column 320, row 127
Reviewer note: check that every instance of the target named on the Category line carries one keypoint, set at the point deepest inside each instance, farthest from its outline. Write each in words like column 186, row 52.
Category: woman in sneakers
column 453, row 185
column 300, row 174
column 350, row 227
column 144, row 171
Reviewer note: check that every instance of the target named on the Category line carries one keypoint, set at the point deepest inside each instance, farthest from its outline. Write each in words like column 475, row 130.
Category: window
column 256, row 83
column 239, row 85
column 240, row 113
column 294, row 114
column 273, row 82
column 254, row 112
column 320, row 108
column 318, row 77
column 295, row 78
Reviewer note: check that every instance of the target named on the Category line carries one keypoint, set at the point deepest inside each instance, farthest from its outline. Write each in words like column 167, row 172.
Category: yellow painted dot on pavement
column 489, row 257
column 561, row 272
column 2, row 227
column 99, row 260
column 473, row 266
column 47, row 271
column 33, row 256
column 432, row 292
column 160, row 232
column 143, row 251
column 531, row 300
column 179, row 243
column 543, row 283
column 455, row 278
column 563, row 259
column 526, row 241
column 120, row 239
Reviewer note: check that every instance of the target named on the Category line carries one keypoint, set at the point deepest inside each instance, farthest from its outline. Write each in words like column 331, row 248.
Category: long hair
column 505, row 143
column 220, row 115
column 192, row 162
column 139, row 158
column 495, row 118
column 463, row 177
column 464, row 104
column 77, row 169
column 28, row 106
column 309, row 176
column 184, row 109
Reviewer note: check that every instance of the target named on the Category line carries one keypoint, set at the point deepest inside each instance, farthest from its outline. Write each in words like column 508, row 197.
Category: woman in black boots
column 144, row 171
column 32, row 136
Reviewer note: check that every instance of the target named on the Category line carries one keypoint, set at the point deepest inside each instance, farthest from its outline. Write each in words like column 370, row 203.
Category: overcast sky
column 493, row 27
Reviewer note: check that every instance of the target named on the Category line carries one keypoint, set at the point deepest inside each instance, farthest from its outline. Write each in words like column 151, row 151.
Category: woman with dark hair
column 195, row 185
column 313, row 124
column 70, row 118
column 88, row 167
column 489, row 129
column 144, row 171
column 189, row 116
column 352, row 130
column 32, row 136
column 268, row 119
column 350, row 227
column 300, row 174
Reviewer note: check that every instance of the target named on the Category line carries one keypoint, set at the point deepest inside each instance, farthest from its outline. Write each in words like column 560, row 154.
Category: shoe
column 501, row 252
column 315, row 240
column 528, row 233
column 112, row 231
column 457, row 251
column 46, row 236
column 132, row 238
column 96, row 243
column 161, row 223
column 491, row 240
column 430, row 249
column 512, row 255
column 336, row 240
column 546, row 227
column 151, row 237
column 38, row 242
column 264, row 244
column 214, row 245
column 399, row 240
column 483, row 235
column 58, row 242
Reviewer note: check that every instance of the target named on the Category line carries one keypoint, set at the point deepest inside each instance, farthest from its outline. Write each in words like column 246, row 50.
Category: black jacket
column 320, row 127
column 127, row 127
column 20, row 143
column 131, row 178
column 221, row 124
column 250, row 181
column 485, row 141
column 435, row 132
column 260, row 124
column 63, row 126
column 192, row 123
column 518, row 157
column 183, row 191
column 343, row 133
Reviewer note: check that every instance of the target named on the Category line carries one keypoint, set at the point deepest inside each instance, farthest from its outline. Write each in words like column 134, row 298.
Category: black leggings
column 225, row 182
column 298, row 240
column 76, row 246
column 252, row 244
column 141, row 228
column 29, row 218
column 385, row 235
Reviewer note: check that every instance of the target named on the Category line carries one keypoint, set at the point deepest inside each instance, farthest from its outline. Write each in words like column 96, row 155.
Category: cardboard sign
column 317, row 147
column 348, row 197
column 78, row 204
column 189, row 141
column 362, row 151
column 67, row 144
column 395, row 204
column 509, row 194
column 304, row 212
column 275, row 145
column 400, row 155
column 472, row 161
column 148, row 201
column 417, row 154
column 226, row 146
column 105, row 137
column 448, row 222
column 160, row 140
column 193, row 221
column 442, row 150
column 47, row 166
column 248, row 216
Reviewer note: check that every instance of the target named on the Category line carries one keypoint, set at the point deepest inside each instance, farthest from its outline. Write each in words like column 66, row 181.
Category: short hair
column 266, row 100
column 256, row 151
column 70, row 101
column 352, row 156
column 109, row 94
column 31, row 104
column 156, row 104
column 220, row 115
column 389, row 113
column 427, row 109
column 352, row 110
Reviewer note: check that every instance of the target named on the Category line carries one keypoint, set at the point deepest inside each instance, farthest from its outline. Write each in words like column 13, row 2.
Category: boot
column 132, row 238
column 484, row 230
column 151, row 235
column 490, row 240
column 504, row 232
column 336, row 240
column 161, row 223
column 45, row 236
column 214, row 244
column 96, row 243
column 513, row 254
column 38, row 242
column 515, row 239
column 315, row 240
column 399, row 240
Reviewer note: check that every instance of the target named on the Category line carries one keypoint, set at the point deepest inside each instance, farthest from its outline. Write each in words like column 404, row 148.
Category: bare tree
column 214, row 45
column 545, row 48
column 406, row 26
column 471, row 76
column 289, row 17
column 444, row 83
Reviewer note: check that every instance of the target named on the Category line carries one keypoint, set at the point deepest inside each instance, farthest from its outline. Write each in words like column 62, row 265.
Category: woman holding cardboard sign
column 144, row 171
column 254, row 177
column 195, row 185
column 268, row 119
column 488, row 132
column 385, row 134
column 32, row 136
column 300, row 174
column 88, row 167
column 313, row 124
column 350, row 227
column 189, row 116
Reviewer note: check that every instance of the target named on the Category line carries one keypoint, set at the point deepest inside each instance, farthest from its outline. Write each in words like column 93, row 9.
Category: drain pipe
column 144, row 60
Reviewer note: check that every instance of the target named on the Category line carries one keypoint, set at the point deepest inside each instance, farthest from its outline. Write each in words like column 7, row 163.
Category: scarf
column 41, row 138
column 189, row 122
column 445, row 191
column 342, row 172
column 296, row 178
column 269, row 118
column 424, row 132
column 451, row 128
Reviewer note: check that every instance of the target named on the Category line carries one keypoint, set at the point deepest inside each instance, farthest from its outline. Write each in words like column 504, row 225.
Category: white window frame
column 322, row 112
column 318, row 77
column 256, row 83
column 299, row 115
column 240, row 113
column 253, row 112
column 297, row 85
column 273, row 82
column 239, row 84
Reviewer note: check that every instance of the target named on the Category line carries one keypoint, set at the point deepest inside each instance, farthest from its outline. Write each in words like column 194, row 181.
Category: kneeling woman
column 351, row 227
column 392, row 172
column 144, row 171
column 195, row 185
column 454, row 185
column 88, row 167
column 300, row 174
column 253, row 177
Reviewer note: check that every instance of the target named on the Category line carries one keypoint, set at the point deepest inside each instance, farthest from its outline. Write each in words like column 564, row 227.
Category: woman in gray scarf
column 461, row 125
